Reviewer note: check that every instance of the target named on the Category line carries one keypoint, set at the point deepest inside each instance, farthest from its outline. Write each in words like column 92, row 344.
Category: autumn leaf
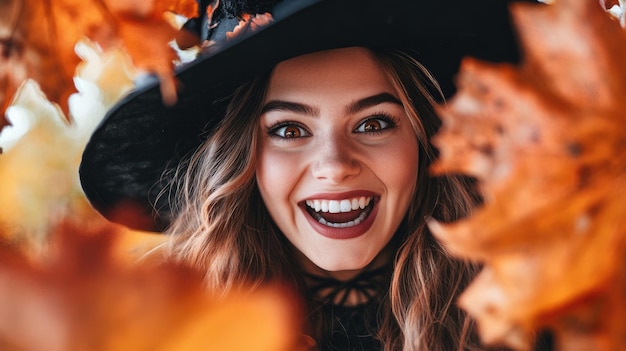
column 546, row 140
column 39, row 168
column 78, row 296
column 38, row 40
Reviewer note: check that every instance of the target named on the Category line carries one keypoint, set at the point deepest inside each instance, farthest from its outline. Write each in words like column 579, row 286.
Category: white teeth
column 343, row 225
column 336, row 206
column 362, row 202
column 317, row 204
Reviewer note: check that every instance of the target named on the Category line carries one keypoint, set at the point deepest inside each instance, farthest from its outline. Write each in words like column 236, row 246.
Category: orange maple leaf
column 38, row 39
column 546, row 140
column 80, row 297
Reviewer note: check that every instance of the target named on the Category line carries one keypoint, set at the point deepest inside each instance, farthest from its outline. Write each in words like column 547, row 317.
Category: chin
column 342, row 265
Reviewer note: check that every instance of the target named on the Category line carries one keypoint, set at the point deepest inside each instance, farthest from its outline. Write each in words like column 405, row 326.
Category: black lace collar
column 366, row 286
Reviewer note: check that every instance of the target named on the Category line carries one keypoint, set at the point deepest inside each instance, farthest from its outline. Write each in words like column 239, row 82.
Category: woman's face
column 338, row 158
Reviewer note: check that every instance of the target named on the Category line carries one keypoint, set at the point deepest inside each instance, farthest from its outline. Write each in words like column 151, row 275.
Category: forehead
column 353, row 69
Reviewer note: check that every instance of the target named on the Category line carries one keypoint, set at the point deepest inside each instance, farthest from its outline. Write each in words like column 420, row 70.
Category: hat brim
column 140, row 138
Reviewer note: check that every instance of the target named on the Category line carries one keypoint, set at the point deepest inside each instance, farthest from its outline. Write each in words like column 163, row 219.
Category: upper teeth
column 336, row 206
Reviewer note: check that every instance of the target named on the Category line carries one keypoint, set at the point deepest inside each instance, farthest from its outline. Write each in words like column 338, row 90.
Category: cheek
column 399, row 173
column 275, row 177
column 407, row 168
column 400, row 169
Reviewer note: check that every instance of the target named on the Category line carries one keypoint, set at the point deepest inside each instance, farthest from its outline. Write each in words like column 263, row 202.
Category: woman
column 289, row 150
column 317, row 174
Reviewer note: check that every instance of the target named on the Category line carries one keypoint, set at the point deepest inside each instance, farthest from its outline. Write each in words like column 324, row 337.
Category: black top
column 349, row 327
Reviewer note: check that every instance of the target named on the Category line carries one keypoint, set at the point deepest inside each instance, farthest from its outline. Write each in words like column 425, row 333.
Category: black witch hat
column 140, row 138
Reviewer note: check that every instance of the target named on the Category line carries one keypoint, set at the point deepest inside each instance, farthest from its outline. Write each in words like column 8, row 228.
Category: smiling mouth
column 344, row 213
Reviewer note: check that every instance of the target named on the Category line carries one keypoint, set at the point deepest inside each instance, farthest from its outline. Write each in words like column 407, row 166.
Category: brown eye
column 289, row 131
column 375, row 125
column 371, row 125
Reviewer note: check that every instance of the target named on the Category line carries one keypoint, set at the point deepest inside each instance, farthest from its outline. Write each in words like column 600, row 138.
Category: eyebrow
column 371, row 101
column 287, row 106
column 359, row 105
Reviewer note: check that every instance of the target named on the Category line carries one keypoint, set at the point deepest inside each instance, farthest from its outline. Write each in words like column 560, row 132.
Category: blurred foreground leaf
column 546, row 139
column 37, row 40
column 79, row 296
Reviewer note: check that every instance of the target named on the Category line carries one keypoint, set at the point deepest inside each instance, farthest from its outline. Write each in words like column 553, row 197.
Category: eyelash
column 390, row 120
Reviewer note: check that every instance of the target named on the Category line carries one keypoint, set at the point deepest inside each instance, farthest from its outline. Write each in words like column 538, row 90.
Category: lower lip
column 343, row 233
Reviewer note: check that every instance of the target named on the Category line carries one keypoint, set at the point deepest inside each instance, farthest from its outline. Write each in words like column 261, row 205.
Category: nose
column 335, row 160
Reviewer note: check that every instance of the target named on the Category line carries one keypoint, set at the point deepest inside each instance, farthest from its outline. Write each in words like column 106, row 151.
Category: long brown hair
column 223, row 228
